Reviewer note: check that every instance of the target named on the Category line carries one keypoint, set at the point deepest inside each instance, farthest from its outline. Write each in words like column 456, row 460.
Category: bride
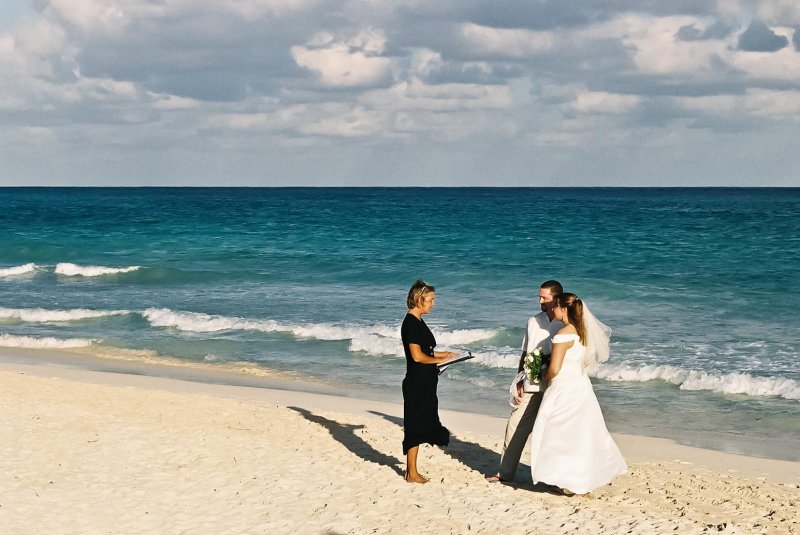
column 570, row 445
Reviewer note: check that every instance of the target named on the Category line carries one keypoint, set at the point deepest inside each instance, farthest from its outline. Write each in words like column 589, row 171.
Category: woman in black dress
column 420, row 405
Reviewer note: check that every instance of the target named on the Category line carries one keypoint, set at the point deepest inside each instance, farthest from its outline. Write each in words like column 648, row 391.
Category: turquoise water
column 699, row 285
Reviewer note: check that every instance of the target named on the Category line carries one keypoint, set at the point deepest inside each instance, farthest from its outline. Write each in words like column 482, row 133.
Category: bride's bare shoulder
column 567, row 329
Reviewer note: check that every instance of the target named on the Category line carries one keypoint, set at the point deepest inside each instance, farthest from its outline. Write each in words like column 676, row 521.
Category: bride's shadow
column 477, row 458
column 345, row 435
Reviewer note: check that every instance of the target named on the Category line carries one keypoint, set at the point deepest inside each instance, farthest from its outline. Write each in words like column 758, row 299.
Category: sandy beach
column 95, row 452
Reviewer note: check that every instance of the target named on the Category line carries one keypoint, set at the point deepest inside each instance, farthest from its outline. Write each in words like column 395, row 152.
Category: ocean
column 700, row 287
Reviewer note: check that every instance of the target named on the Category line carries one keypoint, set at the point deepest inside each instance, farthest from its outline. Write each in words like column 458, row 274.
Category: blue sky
column 391, row 92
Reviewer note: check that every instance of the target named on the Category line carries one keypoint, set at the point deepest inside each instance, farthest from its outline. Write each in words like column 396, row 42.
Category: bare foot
column 495, row 479
column 416, row 478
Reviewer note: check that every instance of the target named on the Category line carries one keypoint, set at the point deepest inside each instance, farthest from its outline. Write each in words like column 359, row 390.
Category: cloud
column 758, row 37
column 604, row 103
column 756, row 103
column 416, row 95
column 718, row 29
column 355, row 62
column 91, row 15
column 189, row 88
column 483, row 41
column 786, row 12
column 658, row 49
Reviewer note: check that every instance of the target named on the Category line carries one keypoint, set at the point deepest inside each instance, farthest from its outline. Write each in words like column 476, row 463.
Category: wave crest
column 729, row 383
column 41, row 315
column 373, row 340
column 74, row 270
column 17, row 270
column 199, row 322
column 498, row 358
column 46, row 342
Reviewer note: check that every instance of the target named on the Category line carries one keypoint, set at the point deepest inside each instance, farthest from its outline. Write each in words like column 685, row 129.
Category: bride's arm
column 556, row 359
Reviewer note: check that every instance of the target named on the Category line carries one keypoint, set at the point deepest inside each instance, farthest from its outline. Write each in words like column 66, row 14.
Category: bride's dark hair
column 574, row 308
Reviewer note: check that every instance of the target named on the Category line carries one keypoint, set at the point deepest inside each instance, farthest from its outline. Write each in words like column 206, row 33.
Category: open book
column 443, row 365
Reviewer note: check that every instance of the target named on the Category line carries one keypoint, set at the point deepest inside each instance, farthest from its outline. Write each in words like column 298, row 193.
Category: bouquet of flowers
column 535, row 361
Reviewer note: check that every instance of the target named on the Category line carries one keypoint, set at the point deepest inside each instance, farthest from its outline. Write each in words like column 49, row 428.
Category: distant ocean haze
column 314, row 281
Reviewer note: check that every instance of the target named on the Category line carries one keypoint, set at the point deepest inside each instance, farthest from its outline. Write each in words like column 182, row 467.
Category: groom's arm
column 535, row 334
column 522, row 361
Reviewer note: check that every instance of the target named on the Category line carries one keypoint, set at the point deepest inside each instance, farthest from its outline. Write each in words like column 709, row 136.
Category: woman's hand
column 418, row 356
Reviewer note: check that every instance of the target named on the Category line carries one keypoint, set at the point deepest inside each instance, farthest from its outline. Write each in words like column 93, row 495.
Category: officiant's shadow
column 346, row 435
column 476, row 457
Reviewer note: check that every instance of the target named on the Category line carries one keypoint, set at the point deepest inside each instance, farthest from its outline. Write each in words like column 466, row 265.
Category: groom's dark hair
column 554, row 287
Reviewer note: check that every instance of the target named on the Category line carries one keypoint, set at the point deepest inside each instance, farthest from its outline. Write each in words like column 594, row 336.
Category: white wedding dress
column 570, row 445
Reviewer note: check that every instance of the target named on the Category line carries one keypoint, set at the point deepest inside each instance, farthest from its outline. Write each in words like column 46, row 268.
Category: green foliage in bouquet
column 535, row 361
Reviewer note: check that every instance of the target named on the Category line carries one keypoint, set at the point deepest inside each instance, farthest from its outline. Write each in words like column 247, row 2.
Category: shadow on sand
column 345, row 435
column 478, row 458
column 470, row 454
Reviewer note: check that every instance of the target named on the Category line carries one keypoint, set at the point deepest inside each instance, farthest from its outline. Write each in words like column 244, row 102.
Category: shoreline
column 637, row 448
column 110, row 359
column 169, row 455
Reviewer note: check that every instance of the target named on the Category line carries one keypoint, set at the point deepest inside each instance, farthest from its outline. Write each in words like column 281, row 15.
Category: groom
column 541, row 328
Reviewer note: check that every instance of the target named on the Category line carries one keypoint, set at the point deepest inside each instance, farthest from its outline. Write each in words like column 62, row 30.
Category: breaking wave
column 729, row 383
column 373, row 340
column 17, row 270
column 497, row 357
column 74, row 270
column 46, row 342
column 41, row 315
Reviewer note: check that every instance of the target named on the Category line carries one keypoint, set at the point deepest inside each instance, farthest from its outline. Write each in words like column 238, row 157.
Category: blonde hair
column 417, row 292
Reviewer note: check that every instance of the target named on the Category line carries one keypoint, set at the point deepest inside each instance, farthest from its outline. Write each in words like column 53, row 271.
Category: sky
column 400, row 92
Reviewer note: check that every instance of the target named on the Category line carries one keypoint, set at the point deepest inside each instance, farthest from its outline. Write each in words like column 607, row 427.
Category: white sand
column 91, row 452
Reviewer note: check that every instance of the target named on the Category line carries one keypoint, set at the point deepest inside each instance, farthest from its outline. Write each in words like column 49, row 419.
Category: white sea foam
column 17, row 270
column 374, row 339
column 41, row 315
column 198, row 322
column 74, row 270
column 463, row 336
column 374, row 344
column 497, row 357
column 10, row 340
column 729, row 383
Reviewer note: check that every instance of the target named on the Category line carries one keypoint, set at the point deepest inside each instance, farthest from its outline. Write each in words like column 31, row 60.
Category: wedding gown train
column 571, row 447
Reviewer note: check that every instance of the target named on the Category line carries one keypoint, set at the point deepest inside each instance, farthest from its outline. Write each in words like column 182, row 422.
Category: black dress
column 420, row 405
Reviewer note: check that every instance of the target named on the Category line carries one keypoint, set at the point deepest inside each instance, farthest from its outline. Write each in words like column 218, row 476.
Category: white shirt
column 540, row 331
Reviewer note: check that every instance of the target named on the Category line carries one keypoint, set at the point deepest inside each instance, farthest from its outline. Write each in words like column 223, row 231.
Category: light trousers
column 518, row 429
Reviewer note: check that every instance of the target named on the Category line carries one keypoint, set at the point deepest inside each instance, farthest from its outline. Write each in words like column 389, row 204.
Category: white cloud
column 656, row 49
column 780, row 11
column 770, row 11
column 502, row 42
column 425, row 61
column 95, row 90
column 781, row 65
column 416, row 95
column 157, row 77
column 781, row 105
column 342, row 121
column 172, row 102
column 604, row 103
column 255, row 9
column 90, row 15
column 350, row 63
